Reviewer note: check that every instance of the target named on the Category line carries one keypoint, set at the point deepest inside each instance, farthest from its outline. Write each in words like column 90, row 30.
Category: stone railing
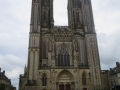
column 57, row 66
column 44, row 67
column 48, row 67
column 65, row 66
column 61, row 27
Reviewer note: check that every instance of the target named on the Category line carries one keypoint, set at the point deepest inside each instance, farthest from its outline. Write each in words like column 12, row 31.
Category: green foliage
column 12, row 88
column 2, row 86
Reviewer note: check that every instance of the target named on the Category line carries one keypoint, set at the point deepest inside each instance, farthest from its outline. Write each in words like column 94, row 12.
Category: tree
column 2, row 86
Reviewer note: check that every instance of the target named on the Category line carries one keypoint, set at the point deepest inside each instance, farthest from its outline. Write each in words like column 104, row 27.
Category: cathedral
column 62, row 57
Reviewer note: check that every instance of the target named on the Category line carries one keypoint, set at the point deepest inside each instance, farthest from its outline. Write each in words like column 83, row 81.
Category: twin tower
column 62, row 57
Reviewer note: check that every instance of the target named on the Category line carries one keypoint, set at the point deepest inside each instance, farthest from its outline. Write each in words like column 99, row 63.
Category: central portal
column 65, row 87
column 65, row 80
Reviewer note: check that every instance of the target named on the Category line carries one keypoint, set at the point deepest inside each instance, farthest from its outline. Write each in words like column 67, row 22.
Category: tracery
column 63, row 57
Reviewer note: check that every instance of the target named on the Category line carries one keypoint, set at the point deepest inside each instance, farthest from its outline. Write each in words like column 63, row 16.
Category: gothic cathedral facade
column 62, row 57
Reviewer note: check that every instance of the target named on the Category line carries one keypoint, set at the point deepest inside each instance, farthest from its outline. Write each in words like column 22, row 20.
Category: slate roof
column 4, row 77
column 116, row 69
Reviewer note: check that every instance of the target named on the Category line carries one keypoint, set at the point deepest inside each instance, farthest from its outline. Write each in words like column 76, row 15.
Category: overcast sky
column 14, row 31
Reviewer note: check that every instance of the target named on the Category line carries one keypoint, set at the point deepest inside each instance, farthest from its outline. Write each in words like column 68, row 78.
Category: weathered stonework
column 62, row 57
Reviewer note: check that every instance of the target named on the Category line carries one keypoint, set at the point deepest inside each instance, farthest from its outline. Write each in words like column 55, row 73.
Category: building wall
column 115, row 76
column 105, row 79
column 118, row 75
column 115, row 80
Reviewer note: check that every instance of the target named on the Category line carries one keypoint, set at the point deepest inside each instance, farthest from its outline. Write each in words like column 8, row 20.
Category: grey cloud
column 60, row 12
column 14, row 33
column 11, row 60
column 106, row 15
column 13, row 66
column 109, row 49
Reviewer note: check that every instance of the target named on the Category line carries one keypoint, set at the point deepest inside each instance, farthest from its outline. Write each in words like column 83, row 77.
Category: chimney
column 117, row 64
column 110, row 69
column 4, row 72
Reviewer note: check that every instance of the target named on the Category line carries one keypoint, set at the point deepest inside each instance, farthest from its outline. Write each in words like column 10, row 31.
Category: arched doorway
column 65, row 80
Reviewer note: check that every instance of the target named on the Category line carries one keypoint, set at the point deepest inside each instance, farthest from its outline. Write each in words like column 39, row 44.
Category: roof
column 116, row 69
column 4, row 77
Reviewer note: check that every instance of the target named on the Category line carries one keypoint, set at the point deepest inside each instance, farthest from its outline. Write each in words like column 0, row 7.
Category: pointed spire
column 75, row 14
column 35, row 16
column 25, row 69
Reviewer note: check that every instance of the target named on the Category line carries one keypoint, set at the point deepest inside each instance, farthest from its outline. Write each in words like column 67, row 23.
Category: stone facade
column 115, row 77
column 62, row 57
column 105, row 76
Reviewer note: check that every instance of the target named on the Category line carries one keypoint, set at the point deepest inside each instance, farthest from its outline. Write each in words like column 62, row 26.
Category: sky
column 14, row 32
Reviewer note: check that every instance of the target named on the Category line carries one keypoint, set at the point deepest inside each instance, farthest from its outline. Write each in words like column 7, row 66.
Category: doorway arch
column 65, row 79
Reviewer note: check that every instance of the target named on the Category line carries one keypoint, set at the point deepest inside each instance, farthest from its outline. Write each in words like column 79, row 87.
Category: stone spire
column 25, row 70
column 41, row 21
column 46, row 14
column 80, row 15
column 88, row 20
column 75, row 13
column 35, row 17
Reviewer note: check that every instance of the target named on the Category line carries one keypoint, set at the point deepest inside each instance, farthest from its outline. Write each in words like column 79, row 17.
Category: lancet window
column 44, row 50
column 83, row 79
column 44, row 80
column 63, row 57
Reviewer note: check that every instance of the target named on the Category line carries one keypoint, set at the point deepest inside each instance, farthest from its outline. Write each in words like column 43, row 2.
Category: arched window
column 83, row 79
column 44, row 80
column 63, row 57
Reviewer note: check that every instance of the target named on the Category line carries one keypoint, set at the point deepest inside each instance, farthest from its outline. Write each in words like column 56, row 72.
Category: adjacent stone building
column 105, row 76
column 5, row 82
column 4, row 79
column 115, row 77
column 111, row 79
column 62, row 57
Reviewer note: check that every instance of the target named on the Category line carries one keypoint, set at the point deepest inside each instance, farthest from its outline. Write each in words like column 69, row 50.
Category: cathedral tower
column 62, row 57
